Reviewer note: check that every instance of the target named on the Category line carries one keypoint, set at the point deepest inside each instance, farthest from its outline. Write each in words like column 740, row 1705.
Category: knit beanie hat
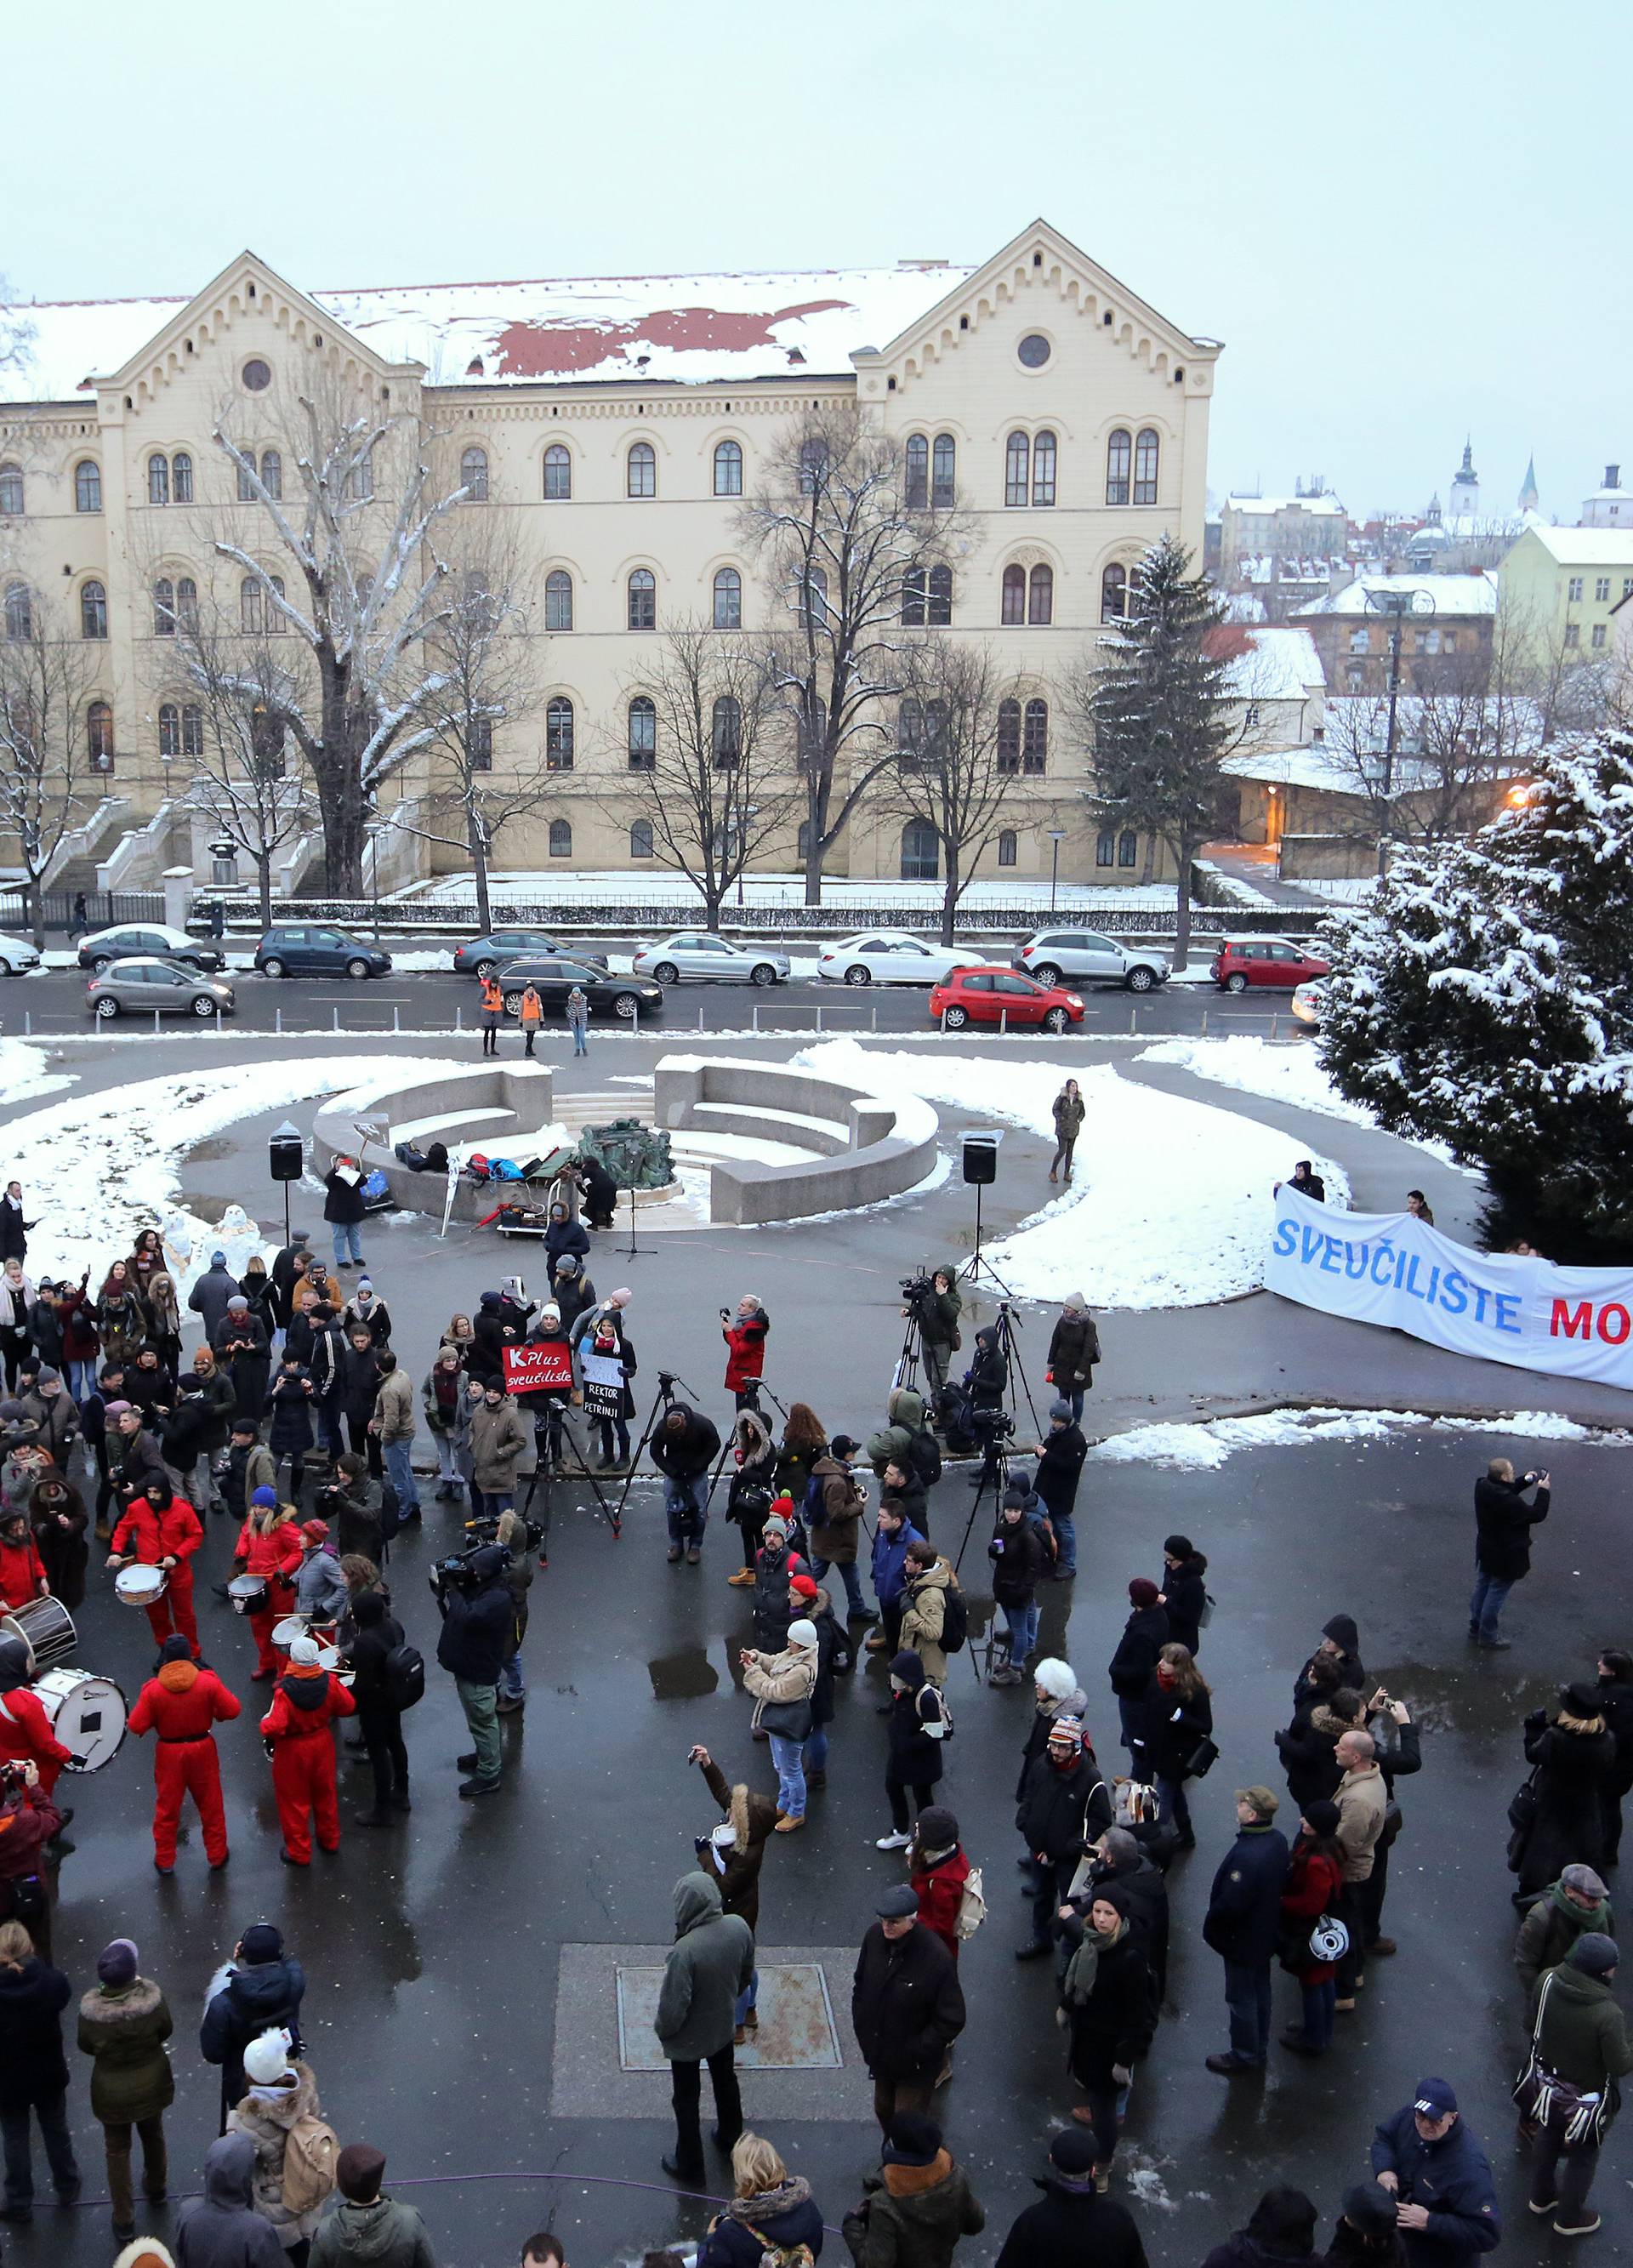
column 1370, row 2209
column 1072, row 2154
column 266, row 2059
column 913, row 2139
column 937, row 1829
column 777, row 1523
column 907, row 1666
column 1321, row 1818
column 359, row 2170
column 1143, row 1592
column 1177, row 1547
column 262, row 1940
column 176, row 1648
column 116, row 1963
column 303, row 1653
column 1060, row 1412
column 1594, row 1953
column 802, row 1632
column 263, row 1496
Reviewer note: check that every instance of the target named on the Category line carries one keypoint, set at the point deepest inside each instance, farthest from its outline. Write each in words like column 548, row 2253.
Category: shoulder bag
column 1543, row 2099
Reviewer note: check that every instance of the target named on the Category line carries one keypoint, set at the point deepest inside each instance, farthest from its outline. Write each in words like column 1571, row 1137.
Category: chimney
column 1613, row 476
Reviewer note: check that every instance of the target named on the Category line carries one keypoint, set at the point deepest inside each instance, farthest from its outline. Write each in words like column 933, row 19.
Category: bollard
column 873, row 1026
column 1004, row 1023
column 28, row 1023
column 396, row 1017
column 459, row 1017
column 218, row 1023
column 635, row 1019
column 1272, row 1023
column 1205, row 1021
column 155, row 1023
column 700, row 1015
column 337, row 1013
column 278, row 1014
column 754, row 1012
column 1131, row 1014
column 819, row 1019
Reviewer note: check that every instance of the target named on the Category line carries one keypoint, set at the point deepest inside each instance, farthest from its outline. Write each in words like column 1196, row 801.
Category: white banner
column 1392, row 1268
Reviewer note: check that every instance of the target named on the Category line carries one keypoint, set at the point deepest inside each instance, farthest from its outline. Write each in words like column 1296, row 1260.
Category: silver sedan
column 697, row 953
column 139, row 987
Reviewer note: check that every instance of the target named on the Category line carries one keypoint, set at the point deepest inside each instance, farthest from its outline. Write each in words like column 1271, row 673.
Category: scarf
column 1581, row 1918
column 1084, row 1964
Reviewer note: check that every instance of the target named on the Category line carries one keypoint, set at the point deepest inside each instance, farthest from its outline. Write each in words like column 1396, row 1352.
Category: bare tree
column 958, row 751
column 52, row 735
column 849, row 541
column 17, row 331
column 717, row 781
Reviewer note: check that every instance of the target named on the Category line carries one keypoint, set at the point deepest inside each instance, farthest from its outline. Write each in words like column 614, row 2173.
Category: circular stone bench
column 498, row 1108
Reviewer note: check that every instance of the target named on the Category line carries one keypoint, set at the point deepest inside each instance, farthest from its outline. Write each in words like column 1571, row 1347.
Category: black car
column 317, row 949
column 623, row 997
column 149, row 941
column 487, row 956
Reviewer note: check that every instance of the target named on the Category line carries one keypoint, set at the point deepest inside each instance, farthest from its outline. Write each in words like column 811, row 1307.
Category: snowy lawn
column 1281, row 1073
column 23, row 1074
column 1202, row 1447
column 1169, row 1205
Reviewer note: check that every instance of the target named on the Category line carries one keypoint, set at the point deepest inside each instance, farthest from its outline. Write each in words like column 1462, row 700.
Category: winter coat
column 987, row 1375
column 754, row 1817
column 76, row 1313
column 359, row 1519
column 1074, row 1350
column 372, row 1315
column 939, row 1888
column 924, row 1618
column 1243, row 2250
column 889, row 1557
column 1503, row 1525
column 746, row 1349
column 1169, row 1732
column 1075, row 1704
column 64, row 1552
column 787, row 1676
column 1549, row 1930
column 1068, row 1112
column 322, row 1350
column 1307, row 1747
column 45, row 1331
column 833, row 1655
column 365, row 1656
column 220, row 1400
column 1020, row 1560
column 320, row 1588
column 1244, row 1919
column 1055, row 1479
column 239, row 1344
column 1146, row 1892
column 750, row 2229
column 55, row 1421
column 342, row 1200
column 1584, row 2034
column 210, row 1295
column 1452, row 2179
column 121, row 1325
column 915, row 1757
column 913, row 2216
column 774, row 1570
column 499, row 1438
column 1186, row 1601
column 1362, row 1803
column 290, row 1401
column 939, row 1317
column 359, row 1383
column 682, row 1455
column 124, row 2034
column 1145, row 1635
column 1571, row 1771
column 707, row 1968
column 1115, row 2024
column 441, row 1393
column 833, row 1532
column 267, row 2117
column 912, row 1499
column 248, row 1468
column 386, row 2234
column 1050, row 1816
column 32, row 2067
column 259, row 1997
column 475, row 1631
column 184, row 1433
column 562, row 1237
column 1313, row 1886
column 22, row 1573
column 1071, row 2226
column 393, row 1406
column 907, row 2007
column 221, row 2229
column 13, row 1230
column 1341, row 1631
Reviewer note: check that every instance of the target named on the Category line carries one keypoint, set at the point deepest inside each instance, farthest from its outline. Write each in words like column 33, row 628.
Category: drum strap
column 7, row 1713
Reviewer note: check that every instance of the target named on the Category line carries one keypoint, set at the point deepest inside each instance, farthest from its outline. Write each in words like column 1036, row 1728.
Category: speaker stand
column 978, row 1269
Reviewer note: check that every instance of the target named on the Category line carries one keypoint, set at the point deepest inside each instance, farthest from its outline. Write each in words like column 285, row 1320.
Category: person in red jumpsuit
column 270, row 1545
column 305, row 1700
column 25, row 1733
column 161, row 1530
column 180, row 1705
column 22, row 1569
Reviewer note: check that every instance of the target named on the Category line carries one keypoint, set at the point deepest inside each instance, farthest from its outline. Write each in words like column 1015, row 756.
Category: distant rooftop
column 1256, row 504
column 1453, row 595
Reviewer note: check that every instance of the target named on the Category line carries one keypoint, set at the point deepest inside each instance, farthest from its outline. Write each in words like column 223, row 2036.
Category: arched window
column 169, row 731
column 192, row 731
column 1035, row 744
column 1016, row 458
column 560, row 839
column 643, row 734
column 913, row 599
column 1043, row 468
column 19, row 611
column 728, row 477
column 272, row 473
column 1128, row 845
column 12, row 492
column 181, row 478
column 1114, row 593
column 944, row 462
column 474, row 475
column 641, row 839
column 100, row 736
column 558, row 734
column 250, row 618
column 813, row 463
column 164, row 608
column 157, row 479
column 643, row 600
column 725, row 730
column 940, row 597
column 921, row 852
column 728, row 600
column 187, row 602
column 481, row 740
column 813, row 600
column 1006, row 847
column 558, row 474
column 917, row 473
column 360, row 480
column 92, row 611
column 1145, row 466
column 246, row 483
column 1014, row 606
column 1009, row 736
column 87, row 485
column 1105, row 847
column 643, row 470
column 1118, row 451
column 276, row 625
column 558, row 599
column 1040, row 595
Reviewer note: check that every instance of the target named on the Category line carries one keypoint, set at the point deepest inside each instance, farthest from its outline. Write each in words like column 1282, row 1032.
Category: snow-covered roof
column 690, row 330
column 1453, row 595
column 1268, row 665
column 1327, row 504
column 1329, row 771
column 1588, row 547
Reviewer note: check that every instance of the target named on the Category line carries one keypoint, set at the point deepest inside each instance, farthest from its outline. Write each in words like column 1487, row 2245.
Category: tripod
column 998, row 1458
column 632, row 1250
column 978, row 1267
column 906, row 1373
column 663, row 1401
column 1009, row 1323
column 551, row 1433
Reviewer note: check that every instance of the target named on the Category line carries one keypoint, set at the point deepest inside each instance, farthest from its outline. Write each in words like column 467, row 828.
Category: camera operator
column 684, row 1447
column 935, row 1304
column 478, row 1616
column 355, row 1508
column 987, row 1381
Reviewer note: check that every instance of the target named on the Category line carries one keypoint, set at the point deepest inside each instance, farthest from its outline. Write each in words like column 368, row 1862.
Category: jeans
column 581, row 1039
column 607, row 1428
column 52, row 2112
column 447, row 1466
column 512, row 1684
column 1171, row 1808
column 155, row 2168
column 1247, row 1997
column 1317, row 2013
column 1490, row 1592
column 787, row 1755
column 683, row 1503
column 852, row 1579
column 1562, row 2173
column 815, row 1758
column 81, row 1380
column 1065, row 1527
column 399, row 1457
column 489, row 1502
column 747, row 1999
column 481, row 1704
column 1022, row 1623
column 348, row 1238
column 685, row 2092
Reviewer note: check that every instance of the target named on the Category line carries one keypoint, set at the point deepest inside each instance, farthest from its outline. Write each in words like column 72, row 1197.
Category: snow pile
column 1281, row 1073
column 1204, row 1446
column 23, row 1074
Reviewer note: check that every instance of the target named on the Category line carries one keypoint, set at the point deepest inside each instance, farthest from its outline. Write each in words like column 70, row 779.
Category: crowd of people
column 291, row 1421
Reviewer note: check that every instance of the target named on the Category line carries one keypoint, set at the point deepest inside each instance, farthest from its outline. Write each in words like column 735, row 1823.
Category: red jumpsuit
column 274, row 1553
column 149, row 1536
column 303, row 1757
column 22, row 1574
column 180, row 1705
column 25, row 1736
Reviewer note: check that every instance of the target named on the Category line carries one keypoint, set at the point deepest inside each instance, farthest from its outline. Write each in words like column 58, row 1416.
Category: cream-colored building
column 615, row 427
column 1559, row 587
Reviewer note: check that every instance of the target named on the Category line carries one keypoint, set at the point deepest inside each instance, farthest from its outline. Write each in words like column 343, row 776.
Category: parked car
column 486, row 956
column 1087, row 958
column 698, row 953
column 1309, row 1000
column 990, row 996
column 1243, row 960
column 16, row 956
column 317, row 949
column 138, row 986
column 553, row 979
column 891, row 956
column 103, row 946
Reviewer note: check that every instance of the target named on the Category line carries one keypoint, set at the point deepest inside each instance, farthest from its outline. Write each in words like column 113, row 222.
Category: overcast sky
column 1406, row 221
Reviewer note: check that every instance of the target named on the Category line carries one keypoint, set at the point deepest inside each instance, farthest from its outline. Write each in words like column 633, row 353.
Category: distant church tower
column 1529, row 500
column 1465, row 498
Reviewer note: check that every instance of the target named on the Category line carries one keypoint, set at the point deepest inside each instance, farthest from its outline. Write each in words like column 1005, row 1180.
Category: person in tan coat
column 782, row 1685
column 393, row 1425
column 925, row 1615
column 279, row 2090
column 1362, row 1800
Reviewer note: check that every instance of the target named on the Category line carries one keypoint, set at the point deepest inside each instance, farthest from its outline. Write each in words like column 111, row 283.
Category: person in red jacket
column 28, row 1822
column 1313, row 1886
column 161, row 1530
column 22, row 1569
column 304, row 1701
column 745, row 1336
column 270, row 1545
column 25, row 1733
column 180, row 1705
column 936, row 1872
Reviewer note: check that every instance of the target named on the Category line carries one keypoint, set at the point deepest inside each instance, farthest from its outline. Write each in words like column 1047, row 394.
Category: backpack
column 310, row 2149
column 954, row 1410
column 781, row 2256
column 942, row 1729
column 375, row 1189
column 404, row 1670
column 391, row 1512
column 954, row 1618
column 925, row 1455
column 436, row 1157
column 813, row 1505
column 406, row 1154
column 972, row 1907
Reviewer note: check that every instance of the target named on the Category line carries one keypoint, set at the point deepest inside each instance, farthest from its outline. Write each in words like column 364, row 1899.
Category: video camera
column 457, row 1573
column 483, row 1528
column 915, row 1292
column 13, row 1779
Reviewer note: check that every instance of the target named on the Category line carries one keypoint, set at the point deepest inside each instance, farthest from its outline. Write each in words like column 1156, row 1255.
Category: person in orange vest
column 304, row 1701
column 180, row 1705
column 25, row 1733
column 531, row 1017
column 270, row 1545
column 492, row 1014
column 161, row 1530
column 22, row 1569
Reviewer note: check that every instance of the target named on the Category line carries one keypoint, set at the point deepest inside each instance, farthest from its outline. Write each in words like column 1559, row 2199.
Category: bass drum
column 47, row 1629
column 87, row 1714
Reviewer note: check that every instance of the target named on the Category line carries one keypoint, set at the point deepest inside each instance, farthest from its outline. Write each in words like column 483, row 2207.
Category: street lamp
column 1394, row 607
column 1057, row 836
column 751, row 811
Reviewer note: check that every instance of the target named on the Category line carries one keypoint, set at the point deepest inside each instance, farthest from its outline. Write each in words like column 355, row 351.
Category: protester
column 304, row 1701
column 375, row 1637
column 1184, row 1595
column 1176, row 1725
column 1243, row 1926
column 1020, row 1560
column 34, row 2072
column 1074, row 2223
column 834, row 1519
column 930, row 1582
column 1572, row 1756
column 281, row 2093
column 1280, row 2234
column 1567, row 1910
column 1313, row 1888
column 181, row 1706
column 221, row 2228
column 710, row 1965
column 1110, row 2018
column 772, row 2214
column 1367, row 2235
column 915, row 2209
column 1581, row 2043
column 894, row 1536
column 360, row 2223
column 918, row 1727
column 749, row 1492
column 774, row 1567
column 1503, row 1525
column 123, row 2026
column 392, row 1424
column 344, row 1210
column 1340, row 1653
column 1446, row 2205
column 781, row 1684
column 258, row 1990
column 1145, row 1635
column 1065, row 1805
column 906, row 2007
column 1074, row 1350
column 938, row 1872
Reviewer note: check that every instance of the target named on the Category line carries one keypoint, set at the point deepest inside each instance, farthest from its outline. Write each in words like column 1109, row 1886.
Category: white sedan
column 891, row 956
column 16, row 954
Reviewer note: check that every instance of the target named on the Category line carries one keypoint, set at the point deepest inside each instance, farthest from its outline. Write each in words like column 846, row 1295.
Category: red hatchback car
column 993, row 996
column 1243, row 960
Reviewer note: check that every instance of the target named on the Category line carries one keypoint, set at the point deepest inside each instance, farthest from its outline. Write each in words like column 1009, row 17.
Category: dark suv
column 317, row 949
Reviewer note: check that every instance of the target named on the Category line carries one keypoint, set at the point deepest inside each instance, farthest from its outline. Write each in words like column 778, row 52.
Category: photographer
column 683, row 1448
column 355, row 1508
column 1400, row 1754
column 749, row 1492
column 935, row 1303
column 986, row 1382
column 745, row 1336
column 1504, row 1522
column 478, row 1615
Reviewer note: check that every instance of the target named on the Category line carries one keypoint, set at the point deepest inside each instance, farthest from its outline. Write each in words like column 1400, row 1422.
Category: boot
column 743, row 1580
column 375, row 1818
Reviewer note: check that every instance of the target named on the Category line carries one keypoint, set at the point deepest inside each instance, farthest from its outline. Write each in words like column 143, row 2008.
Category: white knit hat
column 802, row 1632
column 266, row 2059
column 305, row 1651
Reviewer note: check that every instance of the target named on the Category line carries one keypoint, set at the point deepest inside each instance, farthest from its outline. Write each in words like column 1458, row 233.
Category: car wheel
column 107, row 1007
column 858, row 974
column 273, row 967
column 485, row 969
column 6, row 968
column 1140, row 980
column 357, row 968
column 101, row 965
column 203, row 1006
column 1047, row 974
column 955, row 1018
column 763, row 974
column 666, row 973
column 627, row 1004
column 1055, row 1019
column 513, row 1004
column 1236, row 984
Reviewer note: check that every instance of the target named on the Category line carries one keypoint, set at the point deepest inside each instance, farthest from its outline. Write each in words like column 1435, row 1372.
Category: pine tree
column 1157, row 709
column 1483, row 996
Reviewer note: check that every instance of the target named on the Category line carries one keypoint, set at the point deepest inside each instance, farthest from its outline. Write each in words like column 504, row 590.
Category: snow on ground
column 23, row 1074
column 620, row 888
column 1279, row 1071
column 1169, row 1207
column 1202, row 1447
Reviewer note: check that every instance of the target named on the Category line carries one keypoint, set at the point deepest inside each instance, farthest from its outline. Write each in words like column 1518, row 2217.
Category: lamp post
column 1394, row 607
column 1057, row 836
column 751, row 811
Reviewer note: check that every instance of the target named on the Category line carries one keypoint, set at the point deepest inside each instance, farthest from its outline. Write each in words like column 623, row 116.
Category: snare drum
column 248, row 1594
column 87, row 1714
column 285, row 1632
column 140, row 1586
column 47, row 1629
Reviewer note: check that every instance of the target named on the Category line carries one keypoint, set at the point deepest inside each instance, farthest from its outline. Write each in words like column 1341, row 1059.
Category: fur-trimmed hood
column 141, row 1999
